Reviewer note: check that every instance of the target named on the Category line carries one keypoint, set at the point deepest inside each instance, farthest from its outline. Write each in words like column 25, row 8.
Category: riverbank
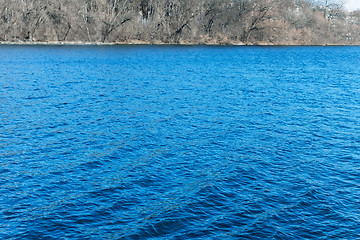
column 226, row 22
column 181, row 43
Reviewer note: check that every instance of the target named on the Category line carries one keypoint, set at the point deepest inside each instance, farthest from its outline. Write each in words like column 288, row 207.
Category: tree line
column 302, row 22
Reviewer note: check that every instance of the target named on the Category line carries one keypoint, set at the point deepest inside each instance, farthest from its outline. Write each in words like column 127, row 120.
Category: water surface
column 166, row 142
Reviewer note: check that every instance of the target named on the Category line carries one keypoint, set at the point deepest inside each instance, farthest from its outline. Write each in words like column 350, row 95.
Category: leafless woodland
column 280, row 22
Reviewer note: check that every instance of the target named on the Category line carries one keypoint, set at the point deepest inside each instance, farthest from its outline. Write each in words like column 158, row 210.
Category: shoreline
column 160, row 43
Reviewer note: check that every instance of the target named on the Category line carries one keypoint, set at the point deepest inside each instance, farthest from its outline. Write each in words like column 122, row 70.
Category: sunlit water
column 179, row 142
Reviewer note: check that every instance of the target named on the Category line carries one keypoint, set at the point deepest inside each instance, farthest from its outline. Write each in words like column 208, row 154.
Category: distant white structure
column 352, row 5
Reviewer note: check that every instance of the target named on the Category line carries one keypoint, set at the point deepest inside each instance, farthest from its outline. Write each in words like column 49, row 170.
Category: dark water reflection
column 179, row 142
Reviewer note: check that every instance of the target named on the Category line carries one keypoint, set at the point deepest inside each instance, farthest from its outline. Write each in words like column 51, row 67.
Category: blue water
column 166, row 142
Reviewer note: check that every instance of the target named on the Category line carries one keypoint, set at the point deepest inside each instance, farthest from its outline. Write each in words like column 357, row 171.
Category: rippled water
column 179, row 142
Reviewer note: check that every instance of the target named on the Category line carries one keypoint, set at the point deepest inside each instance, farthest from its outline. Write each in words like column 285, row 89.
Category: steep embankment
column 275, row 22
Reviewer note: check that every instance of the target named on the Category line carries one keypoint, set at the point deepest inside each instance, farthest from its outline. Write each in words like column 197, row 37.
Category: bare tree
column 179, row 21
column 116, row 13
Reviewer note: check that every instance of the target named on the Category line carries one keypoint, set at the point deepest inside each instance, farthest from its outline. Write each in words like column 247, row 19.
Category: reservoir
column 179, row 142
